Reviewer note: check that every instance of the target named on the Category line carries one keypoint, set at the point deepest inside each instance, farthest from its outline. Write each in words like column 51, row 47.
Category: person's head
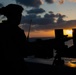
column 13, row 12
column 11, row 9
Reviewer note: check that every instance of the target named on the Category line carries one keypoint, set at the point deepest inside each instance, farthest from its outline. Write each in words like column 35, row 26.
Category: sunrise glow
column 68, row 32
column 48, row 33
column 71, row 63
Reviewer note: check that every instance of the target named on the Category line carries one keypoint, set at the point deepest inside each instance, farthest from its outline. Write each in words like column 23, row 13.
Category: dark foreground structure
column 43, row 69
column 15, row 48
column 74, row 37
column 72, row 49
column 60, row 44
column 13, row 40
column 58, row 67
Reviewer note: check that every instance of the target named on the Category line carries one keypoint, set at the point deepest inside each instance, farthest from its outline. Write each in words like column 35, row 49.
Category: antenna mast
column 29, row 30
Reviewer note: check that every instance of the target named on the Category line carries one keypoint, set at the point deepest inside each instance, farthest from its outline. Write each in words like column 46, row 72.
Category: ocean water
column 42, row 38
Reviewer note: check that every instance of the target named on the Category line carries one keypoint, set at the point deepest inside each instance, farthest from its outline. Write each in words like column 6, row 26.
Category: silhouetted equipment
column 74, row 37
column 58, row 33
column 59, row 38
column 44, row 48
column 29, row 30
column 59, row 46
column 41, row 48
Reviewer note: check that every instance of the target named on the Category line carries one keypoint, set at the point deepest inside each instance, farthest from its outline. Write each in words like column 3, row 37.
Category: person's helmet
column 11, row 9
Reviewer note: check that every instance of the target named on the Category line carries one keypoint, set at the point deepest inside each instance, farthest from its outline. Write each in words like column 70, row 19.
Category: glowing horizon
column 49, row 33
column 68, row 32
column 63, row 13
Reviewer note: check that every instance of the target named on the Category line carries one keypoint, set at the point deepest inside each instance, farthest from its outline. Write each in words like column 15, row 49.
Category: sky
column 46, row 15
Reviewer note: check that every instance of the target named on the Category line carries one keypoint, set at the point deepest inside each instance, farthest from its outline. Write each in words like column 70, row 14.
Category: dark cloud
column 29, row 3
column 63, row 25
column 51, row 15
column 37, row 3
column 60, row 18
column 51, row 12
column 36, row 11
column 1, row 5
column 38, row 20
column 47, row 22
column 66, row 24
column 27, row 18
column 33, row 3
column 49, row 1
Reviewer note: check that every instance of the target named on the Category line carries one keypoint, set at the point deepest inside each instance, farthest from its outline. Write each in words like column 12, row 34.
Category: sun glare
column 68, row 32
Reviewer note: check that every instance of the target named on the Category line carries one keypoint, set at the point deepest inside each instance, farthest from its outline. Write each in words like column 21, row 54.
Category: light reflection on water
column 70, row 62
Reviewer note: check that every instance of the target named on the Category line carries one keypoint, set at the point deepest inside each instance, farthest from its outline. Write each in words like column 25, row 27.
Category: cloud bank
column 47, row 22
column 34, row 3
column 64, row 25
column 30, row 3
column 38, row 20
column 35, row 11
column 37, row 3
column 1, row 5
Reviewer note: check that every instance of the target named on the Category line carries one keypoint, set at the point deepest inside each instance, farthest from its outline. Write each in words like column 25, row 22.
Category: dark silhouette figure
column 59, row 46
column 13, row 39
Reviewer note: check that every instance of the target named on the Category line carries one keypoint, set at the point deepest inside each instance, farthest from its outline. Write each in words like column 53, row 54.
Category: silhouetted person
column 13, row 38
column 58, row 60
column 59, row 51
column 59, row 46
